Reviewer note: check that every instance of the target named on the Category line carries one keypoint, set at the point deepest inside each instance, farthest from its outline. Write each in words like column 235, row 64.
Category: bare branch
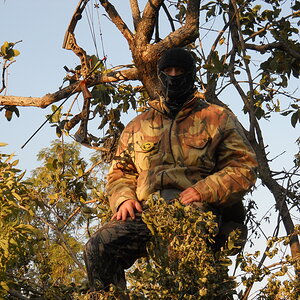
column 117, row 20
column 5, row 67
column 26, row 101
column 3, row 79
column 186, row 34
column 263, row 48
column 192, row 13
column 275, row 45
column 136, row 14
column 48, row 99
column 170, row 19
column 147, row 24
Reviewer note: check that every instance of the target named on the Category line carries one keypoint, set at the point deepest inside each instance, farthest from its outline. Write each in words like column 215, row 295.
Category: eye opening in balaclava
column 177, row 89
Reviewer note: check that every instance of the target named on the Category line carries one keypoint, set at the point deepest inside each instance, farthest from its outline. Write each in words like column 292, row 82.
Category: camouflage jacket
column 203, row 147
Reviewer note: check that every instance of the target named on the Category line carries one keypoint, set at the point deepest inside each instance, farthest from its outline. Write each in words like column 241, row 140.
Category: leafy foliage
column 8, row 52
column 40, row 254
column 182, row 263
column 16, row 212
column 281, row 283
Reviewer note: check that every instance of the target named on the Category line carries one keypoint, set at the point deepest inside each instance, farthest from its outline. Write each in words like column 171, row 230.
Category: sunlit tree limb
column 48, row 99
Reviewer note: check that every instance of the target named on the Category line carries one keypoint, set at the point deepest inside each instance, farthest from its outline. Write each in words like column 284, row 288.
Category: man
column 182, row 148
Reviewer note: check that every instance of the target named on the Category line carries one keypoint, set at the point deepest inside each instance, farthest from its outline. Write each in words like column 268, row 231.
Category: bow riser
column 70, row 43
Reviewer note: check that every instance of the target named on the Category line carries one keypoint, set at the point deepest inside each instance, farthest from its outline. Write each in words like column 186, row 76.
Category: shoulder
column 141, row 117
column 214, row 108
column 135, row 124
column 212, row 111
column 217, row 116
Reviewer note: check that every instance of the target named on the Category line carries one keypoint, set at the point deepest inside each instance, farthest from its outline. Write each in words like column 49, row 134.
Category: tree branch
column 181, row 37
column 263, row 48
column 170, row 19
column 136, row 14
column 257, row 141
column 147, row 24
column 275, row 45
column 69, row 250
column 5, row 67
column 185, row 34
column 17, row 295
column 48, row 99
column 192, row 13
column 117, row 20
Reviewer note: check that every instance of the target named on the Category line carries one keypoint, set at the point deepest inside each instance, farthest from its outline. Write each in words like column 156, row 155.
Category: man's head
column 176, row 70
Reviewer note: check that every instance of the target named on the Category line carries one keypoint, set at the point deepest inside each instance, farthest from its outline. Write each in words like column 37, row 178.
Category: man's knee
column 122, row 239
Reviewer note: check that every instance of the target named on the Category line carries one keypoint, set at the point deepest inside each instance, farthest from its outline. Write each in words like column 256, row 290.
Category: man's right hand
column 129, row 207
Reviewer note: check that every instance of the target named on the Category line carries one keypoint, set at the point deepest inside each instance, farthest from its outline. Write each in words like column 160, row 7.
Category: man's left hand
column 189, row 195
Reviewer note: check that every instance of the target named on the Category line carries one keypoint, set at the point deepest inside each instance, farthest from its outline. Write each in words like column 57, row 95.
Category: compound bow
column 83, row 74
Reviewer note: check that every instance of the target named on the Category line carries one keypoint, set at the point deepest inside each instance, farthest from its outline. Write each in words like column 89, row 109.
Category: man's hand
column 189, row 195
column 127, row 208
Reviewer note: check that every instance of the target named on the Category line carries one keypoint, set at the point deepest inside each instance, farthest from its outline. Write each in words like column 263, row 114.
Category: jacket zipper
column 170, row 141
column 172, row 154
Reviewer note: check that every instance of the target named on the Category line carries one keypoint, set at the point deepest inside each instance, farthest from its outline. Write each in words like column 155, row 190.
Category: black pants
column 114, row 248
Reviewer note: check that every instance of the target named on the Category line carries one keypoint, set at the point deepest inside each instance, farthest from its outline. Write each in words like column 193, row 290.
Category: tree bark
column 48, row 99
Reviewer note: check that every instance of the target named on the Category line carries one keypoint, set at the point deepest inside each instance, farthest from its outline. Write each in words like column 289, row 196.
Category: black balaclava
column 177, row 89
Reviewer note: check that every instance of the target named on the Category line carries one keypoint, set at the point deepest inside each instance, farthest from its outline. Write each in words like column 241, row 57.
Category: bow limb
column 81, row 134
column 70, row 43
column 70, row 40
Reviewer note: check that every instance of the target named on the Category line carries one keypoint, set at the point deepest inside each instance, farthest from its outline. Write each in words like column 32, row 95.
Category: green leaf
column 80, row 172
column 14, row 163
column 4, row 285
column 25, row 228
column 230, row 244
column 286, row 113
column 55, row 118
column 8, row 114
column 58, row 131
column 101, row 95
column 296, row 6
column 55, row 163
column 4, row 48
column 18, row 197
column 16, row 52
column 295, row 118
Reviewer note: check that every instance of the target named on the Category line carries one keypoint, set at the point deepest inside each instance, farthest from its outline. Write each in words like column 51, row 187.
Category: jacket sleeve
column 235, row 171
column 122, row 176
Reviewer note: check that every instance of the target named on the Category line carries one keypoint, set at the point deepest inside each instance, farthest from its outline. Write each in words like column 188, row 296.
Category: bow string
column 81, row 75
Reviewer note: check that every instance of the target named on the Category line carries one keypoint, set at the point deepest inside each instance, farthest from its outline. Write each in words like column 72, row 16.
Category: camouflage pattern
column 203, row 147
column 113, row 248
